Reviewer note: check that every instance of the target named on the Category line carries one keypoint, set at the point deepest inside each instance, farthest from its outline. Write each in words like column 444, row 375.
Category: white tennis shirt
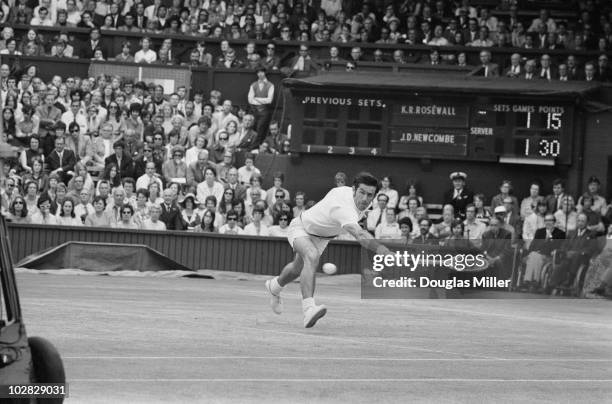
column 335, row 210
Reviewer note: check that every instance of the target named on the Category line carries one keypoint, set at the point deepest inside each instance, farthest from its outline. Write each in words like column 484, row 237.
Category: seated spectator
column 125, row 55
column 175, row 169
column 43, row 215
column 230, row 60
column 153, row 222
column 530, row 70
column 231, row 227
column 278, row 178
column 532, row 200
column 18, row 211
column 443, row 229
column 594, row 222
column 593, row 190
column 534, row 222
column 390, row 229
column 566, row 216
column 207, row 224
column 189, row 214
column 547, row 71
column 210, row 186
column 579, row 247
column 282, row 228
column 423, row 234
column 145, row 54
column 496, row 242
column 246, row 172
column 257, row 227
column 377, row 214
column 66, row 215
column 100, row 218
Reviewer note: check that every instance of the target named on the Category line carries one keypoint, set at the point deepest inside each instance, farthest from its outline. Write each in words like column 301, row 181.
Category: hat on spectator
column 193, row 198
column 178, row 149
column 500, row 209
column 594, row 180
column 392, row 19
column 119, row 143
column 458, row 175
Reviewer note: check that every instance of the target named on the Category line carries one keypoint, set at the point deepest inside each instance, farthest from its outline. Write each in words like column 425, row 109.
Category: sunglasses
column 18, row 203
column 231, row 218
column 222, row 138
column 126, row 212
column 283, row 219
column 147, row 150
column 280, row 196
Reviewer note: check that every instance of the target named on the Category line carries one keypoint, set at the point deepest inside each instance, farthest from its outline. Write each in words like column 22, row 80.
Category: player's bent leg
column 310, row 253
column 291, row 271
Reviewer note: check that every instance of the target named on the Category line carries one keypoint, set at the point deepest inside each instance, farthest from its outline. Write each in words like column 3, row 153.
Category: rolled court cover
column 101, row 257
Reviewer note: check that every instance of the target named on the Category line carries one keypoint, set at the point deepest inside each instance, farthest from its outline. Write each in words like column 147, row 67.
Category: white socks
column 275, row 288
column 307, row 303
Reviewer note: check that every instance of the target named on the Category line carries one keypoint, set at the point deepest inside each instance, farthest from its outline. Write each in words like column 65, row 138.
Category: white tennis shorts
column 296, row 230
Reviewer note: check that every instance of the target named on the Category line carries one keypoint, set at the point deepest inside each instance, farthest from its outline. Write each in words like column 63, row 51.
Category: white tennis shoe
column 313, row 314
column 275, row 300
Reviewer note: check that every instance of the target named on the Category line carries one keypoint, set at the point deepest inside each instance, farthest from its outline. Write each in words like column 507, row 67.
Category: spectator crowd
column 441, row 25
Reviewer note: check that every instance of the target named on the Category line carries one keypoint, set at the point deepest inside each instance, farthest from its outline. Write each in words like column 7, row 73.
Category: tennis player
column 309, row 234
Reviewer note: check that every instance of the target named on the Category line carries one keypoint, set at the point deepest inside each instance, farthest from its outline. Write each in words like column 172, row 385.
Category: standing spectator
column 505, row 191
column 260, row 96
column 532, row 200
column 459, row 196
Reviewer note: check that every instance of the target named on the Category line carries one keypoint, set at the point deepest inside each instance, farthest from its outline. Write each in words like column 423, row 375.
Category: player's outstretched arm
column 366, row 239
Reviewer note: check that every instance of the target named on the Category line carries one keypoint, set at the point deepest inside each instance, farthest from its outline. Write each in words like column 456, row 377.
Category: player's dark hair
column 366, row 178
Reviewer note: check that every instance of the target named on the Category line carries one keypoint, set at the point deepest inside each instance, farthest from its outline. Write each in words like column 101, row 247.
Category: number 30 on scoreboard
column 542, row 148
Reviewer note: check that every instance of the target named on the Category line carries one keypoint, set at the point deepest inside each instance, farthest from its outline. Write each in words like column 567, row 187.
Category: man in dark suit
column 603, row 71
column 489, row 69
column 547, row 70
column 553, row 201
column 459, row 196
column 545, row 241
column 496, row 244
column 140, row 20
column 61, row 161
column 580, row 245
column 94, row 42
column 232, row 182
column 170, row 212
column 124, row 163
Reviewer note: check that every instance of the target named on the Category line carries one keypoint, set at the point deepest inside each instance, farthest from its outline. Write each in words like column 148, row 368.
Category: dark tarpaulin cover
column 101, row 257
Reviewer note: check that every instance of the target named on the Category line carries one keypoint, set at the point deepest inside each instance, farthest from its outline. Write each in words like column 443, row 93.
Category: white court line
column 369, row 380
column 324, row 358
column 345, row 340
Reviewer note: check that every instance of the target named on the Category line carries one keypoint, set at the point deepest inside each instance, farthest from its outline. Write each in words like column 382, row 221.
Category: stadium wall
column 255, row 255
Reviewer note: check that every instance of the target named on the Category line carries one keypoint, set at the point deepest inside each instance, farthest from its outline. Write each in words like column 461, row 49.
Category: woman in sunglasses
column 127, row 218
column 281, row 229
column 18, row 211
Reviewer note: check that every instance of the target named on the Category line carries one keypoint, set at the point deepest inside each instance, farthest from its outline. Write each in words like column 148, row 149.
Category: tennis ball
column 329, row 268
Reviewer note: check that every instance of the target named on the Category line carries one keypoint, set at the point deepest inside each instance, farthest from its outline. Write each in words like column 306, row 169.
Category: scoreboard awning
column 436, row 82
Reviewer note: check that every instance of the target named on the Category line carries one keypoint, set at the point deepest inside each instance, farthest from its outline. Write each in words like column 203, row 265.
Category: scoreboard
column 521, row 128
column 467, row 128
